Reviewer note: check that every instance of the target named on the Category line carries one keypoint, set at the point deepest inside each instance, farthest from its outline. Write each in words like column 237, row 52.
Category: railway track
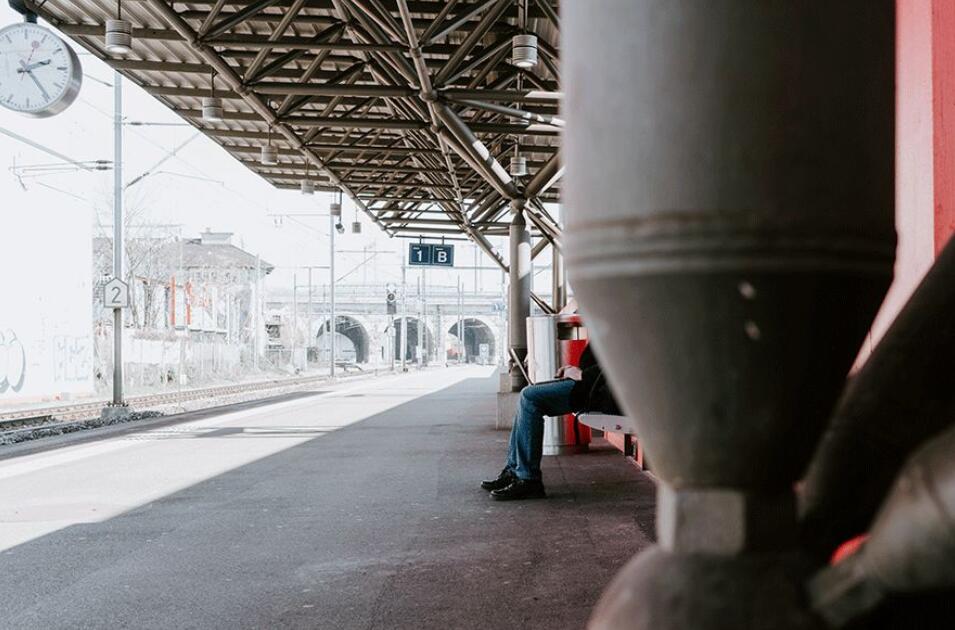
column 17, row 425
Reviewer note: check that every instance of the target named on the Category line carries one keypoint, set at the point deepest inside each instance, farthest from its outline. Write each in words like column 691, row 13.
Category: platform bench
column 621, row 431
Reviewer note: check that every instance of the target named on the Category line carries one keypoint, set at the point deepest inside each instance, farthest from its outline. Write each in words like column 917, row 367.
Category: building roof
column 197, row 254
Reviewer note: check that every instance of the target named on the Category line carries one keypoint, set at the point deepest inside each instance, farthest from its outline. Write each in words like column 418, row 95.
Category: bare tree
column 149, row 264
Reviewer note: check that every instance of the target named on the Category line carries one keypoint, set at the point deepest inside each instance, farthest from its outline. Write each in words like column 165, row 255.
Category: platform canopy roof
column 412, row 108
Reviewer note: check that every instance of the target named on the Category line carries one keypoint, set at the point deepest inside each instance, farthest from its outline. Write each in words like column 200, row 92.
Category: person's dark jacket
column 592, row 392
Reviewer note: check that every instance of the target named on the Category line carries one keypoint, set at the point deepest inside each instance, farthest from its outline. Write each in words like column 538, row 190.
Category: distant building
column 203, row 285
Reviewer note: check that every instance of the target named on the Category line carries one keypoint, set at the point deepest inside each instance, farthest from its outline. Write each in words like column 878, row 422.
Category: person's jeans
column 527, row 435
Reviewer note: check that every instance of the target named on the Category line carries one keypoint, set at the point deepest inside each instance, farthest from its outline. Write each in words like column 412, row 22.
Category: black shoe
column 503, row 480
column 520, row 489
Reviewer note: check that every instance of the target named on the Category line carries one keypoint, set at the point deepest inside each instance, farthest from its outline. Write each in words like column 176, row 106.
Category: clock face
column 39, row 74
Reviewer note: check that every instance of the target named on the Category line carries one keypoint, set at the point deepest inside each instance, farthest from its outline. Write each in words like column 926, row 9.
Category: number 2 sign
column 115, row 294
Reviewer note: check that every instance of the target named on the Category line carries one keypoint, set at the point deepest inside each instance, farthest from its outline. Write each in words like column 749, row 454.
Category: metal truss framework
column 406, row 106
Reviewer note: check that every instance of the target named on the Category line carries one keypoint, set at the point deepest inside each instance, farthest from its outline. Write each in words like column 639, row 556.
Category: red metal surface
column 925, row 147
column 943, row 118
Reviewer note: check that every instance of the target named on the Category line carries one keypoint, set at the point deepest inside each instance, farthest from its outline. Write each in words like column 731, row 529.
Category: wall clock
column 40, row 75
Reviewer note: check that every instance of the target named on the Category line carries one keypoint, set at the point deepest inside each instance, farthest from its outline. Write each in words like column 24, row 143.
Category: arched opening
column 352, row 341
column 478, row 346
column 411, row 351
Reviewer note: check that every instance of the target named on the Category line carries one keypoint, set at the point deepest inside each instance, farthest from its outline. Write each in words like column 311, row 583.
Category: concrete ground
column 356, row 507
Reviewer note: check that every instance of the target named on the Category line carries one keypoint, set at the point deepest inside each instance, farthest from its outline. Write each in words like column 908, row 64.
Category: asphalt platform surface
column 356, row 507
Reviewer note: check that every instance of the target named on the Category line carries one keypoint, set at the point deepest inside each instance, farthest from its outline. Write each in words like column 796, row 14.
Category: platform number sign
column 431, row 255
column 115, row 294
column 443, row 255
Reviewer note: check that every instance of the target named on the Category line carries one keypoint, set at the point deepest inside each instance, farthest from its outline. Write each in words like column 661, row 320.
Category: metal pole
column 427, row 348
column 256, row 313
column 422, row 316
column 441, row 356
column 294, row 318
column 519, row 299
column 308, row 336
column 558, row 288
column 403, row 345
column 118, row 237
column 462, row 349
column 331, row 292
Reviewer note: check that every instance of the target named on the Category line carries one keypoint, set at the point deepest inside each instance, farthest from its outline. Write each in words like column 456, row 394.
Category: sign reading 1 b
column 431, row 255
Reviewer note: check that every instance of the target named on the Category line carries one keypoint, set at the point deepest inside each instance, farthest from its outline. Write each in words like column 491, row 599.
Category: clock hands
column 28, row 69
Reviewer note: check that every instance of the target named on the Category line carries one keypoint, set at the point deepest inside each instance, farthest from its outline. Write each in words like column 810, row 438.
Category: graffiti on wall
column 71, row 359
column 13, row 362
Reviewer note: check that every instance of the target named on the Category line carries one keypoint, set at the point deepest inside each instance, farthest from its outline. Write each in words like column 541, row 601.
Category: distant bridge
column 368, row 328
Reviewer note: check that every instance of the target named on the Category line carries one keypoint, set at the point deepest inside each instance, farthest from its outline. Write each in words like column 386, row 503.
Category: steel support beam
column 513, row 112
column 237, row 18
column 507, row 96
column 456, row 22
column 255, row 42
column 234, row 81
column 325, row 89
column 475, row 36
column 478, row 152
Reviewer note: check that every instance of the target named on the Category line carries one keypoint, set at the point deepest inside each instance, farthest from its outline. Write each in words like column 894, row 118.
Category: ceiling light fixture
column 524, row 50
column 119, row 33
column 212, row 110
column 270, row 155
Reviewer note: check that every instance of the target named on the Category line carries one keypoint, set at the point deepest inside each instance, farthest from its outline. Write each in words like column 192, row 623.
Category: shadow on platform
column 380, row 524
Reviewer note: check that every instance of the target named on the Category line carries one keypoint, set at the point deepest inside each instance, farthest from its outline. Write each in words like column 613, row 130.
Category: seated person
column 576, row 389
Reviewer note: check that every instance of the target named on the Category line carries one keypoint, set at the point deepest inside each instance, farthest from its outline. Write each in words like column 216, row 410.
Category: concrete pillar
column 519, row 296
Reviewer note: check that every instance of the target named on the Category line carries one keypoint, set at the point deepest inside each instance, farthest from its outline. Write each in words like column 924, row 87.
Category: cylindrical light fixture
column 270, row 155
column 524, row 50
column 518, row 166
column 119, row 33
column 308, row 187
column 356, row 227
column 119, row 36
column 335, row 208
column 212, row 110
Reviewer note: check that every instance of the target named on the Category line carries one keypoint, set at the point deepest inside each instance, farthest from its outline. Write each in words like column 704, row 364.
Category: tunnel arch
column 352, row 341
column 414, row 324
column 476, row 333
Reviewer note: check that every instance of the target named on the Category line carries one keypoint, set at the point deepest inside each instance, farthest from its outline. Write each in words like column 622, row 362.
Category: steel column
column 331, row 293
column 519, row 295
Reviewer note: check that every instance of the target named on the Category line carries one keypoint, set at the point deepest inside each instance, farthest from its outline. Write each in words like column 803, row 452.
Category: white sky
column 241, row 203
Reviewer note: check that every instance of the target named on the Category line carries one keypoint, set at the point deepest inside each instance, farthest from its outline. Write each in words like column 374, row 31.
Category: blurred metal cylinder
column 730, row 236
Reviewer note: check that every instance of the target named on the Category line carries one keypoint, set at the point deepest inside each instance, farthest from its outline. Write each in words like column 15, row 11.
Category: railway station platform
column 355, row 507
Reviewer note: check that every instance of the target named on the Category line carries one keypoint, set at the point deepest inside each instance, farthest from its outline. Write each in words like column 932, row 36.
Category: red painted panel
column 914, row 161
column 943, row 118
